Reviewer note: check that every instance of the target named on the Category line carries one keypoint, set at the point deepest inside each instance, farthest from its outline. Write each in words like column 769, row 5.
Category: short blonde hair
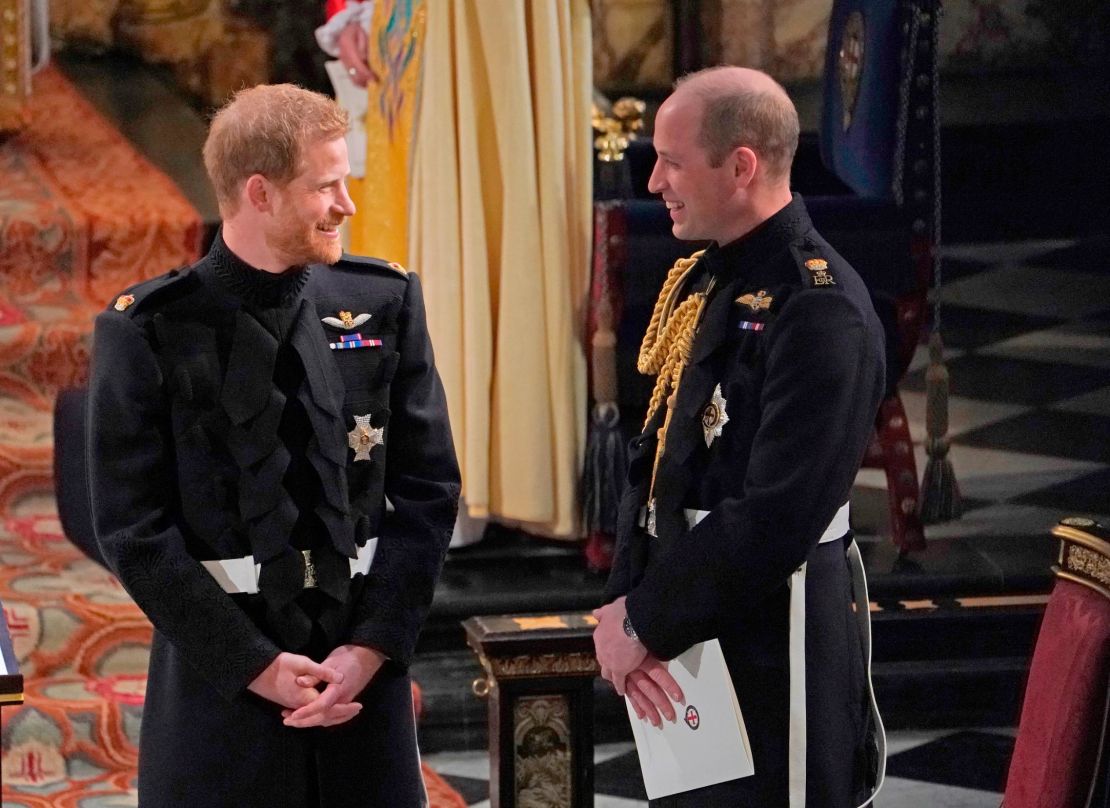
column 263, row 130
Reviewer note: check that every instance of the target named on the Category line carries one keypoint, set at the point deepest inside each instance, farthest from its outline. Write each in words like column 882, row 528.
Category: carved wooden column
column 11, row 680
column 539, row 682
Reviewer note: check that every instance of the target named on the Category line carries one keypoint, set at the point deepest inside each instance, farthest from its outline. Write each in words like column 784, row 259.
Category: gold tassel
column 940, row 494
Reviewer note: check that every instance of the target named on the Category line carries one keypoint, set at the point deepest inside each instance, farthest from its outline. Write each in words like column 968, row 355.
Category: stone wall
column 634, row 39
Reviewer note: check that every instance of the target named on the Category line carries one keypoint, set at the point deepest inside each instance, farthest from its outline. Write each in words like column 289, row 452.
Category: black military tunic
column 220, row 417
column 790, row 336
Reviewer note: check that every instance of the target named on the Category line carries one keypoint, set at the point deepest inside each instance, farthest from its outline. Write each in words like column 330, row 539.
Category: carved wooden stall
column 24, row 49
column 539, row 681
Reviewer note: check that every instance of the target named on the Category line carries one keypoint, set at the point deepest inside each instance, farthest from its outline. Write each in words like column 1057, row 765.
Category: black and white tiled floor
column 1027, row 336
column 941, row 769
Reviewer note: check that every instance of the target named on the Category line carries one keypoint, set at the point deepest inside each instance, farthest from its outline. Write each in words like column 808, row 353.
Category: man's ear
column 259, row 193
column 745, row 163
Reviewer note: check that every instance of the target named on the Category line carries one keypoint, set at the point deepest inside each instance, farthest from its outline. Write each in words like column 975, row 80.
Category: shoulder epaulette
column 134, row 297
column 813, row 267
column 357, row 262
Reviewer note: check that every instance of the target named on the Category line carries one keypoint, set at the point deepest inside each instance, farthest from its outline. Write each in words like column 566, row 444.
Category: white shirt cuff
column 327, row 35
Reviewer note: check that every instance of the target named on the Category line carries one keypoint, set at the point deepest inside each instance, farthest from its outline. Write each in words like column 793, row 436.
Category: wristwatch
column 631, row 632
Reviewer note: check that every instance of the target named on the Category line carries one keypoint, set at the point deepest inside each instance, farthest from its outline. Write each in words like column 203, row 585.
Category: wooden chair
column 1061, row 756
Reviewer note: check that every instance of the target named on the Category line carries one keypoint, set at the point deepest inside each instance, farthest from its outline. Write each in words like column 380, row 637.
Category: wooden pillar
column 11, row 680
column 692, row 48
column 539, row 682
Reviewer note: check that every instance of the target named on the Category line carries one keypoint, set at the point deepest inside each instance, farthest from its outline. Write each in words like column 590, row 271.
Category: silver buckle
column 309, row 570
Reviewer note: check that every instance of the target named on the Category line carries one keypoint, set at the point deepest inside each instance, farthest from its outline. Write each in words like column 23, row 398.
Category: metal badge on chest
column 364, row 437
column 714, row 417
column 348, row 321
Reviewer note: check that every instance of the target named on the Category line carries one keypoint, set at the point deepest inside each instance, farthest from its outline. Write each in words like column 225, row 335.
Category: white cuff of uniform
column 327, row 35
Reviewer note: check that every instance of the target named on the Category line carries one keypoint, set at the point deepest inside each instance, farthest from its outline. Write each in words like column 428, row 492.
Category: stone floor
column 942, row 769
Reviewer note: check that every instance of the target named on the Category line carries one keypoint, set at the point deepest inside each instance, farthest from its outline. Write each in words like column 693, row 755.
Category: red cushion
column 334, row 6
column 1064, row 713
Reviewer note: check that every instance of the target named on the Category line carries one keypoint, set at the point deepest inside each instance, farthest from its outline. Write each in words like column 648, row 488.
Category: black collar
column 254, row 286
column 771, row 236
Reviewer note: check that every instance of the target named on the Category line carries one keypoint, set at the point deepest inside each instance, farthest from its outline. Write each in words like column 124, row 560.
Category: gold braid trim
column 670, row 334
column 654, row 348
column 679, row 339
column 666, row 350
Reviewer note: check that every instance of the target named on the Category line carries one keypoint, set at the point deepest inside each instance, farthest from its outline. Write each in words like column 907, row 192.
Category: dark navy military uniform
column 790, row 335
column 222, row 425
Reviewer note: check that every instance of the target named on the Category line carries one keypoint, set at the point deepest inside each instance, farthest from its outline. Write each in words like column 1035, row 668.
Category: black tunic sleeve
column 824, row 378
column 132, row 489
column 422, row 483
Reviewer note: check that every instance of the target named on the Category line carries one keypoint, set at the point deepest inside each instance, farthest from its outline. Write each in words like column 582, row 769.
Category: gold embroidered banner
column 396, row 57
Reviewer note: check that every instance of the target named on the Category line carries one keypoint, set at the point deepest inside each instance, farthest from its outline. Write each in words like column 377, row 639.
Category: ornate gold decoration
column 820, row 269
column 15, row 65
column 347, row 319
column 542, row 758
column 528, row 665
column 758, row 302
column 1080, row 522
column 1084, row 557
column 123, row 302
column 1080, row 559
column 616, row 132
column 850, row 65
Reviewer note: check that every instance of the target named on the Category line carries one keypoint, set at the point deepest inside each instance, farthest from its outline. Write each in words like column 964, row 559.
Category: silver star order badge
column 714, row 418
column 364, row 437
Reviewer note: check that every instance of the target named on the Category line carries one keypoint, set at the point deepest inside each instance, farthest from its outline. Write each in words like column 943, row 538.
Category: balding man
column 249, row 416
column 769, row 364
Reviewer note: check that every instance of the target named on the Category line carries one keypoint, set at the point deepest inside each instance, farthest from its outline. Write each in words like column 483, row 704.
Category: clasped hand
column 291, row 682
column 626, row 663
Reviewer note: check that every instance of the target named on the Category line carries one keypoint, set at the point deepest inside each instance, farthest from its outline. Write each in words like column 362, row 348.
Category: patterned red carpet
column 82, row 215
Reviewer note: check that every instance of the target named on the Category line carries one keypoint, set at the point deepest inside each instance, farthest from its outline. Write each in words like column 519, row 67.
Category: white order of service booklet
column 707, row 743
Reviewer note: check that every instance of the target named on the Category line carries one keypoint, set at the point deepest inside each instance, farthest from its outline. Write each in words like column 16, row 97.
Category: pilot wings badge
column 346, row 320
column 758, row 302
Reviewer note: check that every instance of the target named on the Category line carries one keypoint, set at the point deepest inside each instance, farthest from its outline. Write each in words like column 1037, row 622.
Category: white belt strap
column 837, row 528
column 239, row 576
column 863, row 619
column 796, row 744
